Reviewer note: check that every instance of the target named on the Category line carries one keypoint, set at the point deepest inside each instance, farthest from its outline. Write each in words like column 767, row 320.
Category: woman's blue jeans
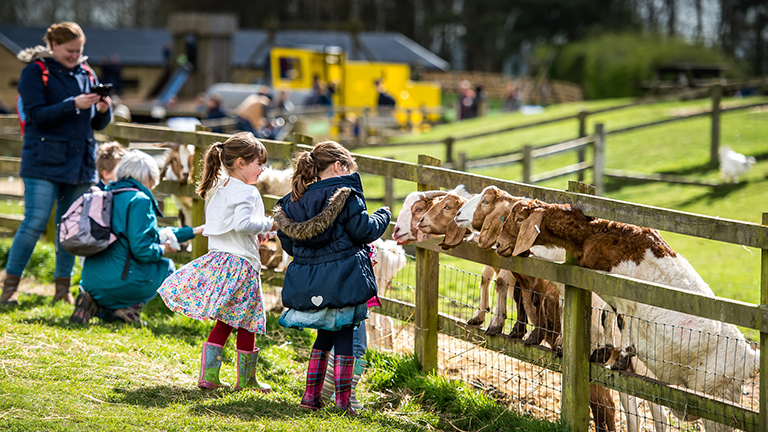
column 39, row 196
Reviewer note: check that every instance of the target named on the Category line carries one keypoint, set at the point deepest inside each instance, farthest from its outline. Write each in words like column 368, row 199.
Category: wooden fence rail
column 578, row 280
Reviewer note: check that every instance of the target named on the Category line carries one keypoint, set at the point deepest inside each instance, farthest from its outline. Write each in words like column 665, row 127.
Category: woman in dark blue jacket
column 324, row 225
column 58, row 159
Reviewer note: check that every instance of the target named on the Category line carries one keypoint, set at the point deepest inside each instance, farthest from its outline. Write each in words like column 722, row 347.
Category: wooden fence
column 462, row 163
column 577, row 371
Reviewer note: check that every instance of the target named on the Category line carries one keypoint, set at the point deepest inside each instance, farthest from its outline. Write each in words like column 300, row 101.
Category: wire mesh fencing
column 516, row 358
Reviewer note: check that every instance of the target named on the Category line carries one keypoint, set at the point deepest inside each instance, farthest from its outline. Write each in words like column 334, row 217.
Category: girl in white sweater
column 224, row 285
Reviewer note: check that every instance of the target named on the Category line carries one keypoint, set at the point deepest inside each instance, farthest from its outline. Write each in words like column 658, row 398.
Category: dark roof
column 144, row 47
column 136, row 47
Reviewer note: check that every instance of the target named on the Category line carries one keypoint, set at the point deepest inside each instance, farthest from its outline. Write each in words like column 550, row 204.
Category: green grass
column 108, row 377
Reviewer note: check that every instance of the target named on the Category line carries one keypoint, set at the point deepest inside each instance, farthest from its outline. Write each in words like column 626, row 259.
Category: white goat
column 698, row 353
column 390, row 259
column 733, row 164
column 177, row 164
column 274, row 181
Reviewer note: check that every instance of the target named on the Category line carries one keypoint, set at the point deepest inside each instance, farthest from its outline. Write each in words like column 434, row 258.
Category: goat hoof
column 493, row 330
column 475, row 321
column 518, row 332
column 622, row 363
column 534, row 339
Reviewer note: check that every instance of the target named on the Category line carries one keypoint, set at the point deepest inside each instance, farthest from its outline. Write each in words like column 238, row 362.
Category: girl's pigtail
column 304, row 175
column 212, row 164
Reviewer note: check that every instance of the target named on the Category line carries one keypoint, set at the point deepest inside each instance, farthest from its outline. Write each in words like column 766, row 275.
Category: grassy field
column 112, row 377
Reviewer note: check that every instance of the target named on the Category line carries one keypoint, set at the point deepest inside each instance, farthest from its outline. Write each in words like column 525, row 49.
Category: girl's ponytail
column 305, row 173
column 212, row 164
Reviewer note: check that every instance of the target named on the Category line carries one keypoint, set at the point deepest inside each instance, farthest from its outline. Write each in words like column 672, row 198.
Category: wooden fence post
column 598, row 166
column 200, row 242
column 389, row 189
column 717, row 94
column 362, row 128
column 527, row 162
column 461, row 162
column 576, row 345
column 449, row 149
column 582, row 153
column 763, row 397
column 303, row 139
column 427, row 286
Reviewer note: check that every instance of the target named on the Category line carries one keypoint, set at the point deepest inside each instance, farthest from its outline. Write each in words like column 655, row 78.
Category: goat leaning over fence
column 709, row 356
column 416, row 206
column 485, row 213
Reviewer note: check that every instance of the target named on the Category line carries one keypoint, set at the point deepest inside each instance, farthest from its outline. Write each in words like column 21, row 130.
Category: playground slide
column 173, row 85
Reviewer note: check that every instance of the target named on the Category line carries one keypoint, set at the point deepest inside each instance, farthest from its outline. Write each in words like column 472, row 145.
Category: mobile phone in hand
column 102, row 89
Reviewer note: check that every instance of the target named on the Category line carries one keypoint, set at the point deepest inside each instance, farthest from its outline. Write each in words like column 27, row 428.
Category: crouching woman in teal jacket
column 117, row 282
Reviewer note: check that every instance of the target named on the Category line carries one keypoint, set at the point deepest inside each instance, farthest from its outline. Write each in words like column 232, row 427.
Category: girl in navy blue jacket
column 325, row 226
column 58, row 160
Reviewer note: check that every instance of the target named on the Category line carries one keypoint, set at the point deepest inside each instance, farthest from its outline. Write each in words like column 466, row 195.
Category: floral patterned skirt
column 217, row 286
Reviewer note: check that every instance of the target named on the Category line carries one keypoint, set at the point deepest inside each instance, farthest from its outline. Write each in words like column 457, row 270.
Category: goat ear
column 422, row 236
column 492, row 226
column 528, row 232
column 453, row 236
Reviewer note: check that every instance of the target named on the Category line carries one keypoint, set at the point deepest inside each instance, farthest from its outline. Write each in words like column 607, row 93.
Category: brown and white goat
column 177, row 164
column 711, row 357
column 537, row 299
column 485, row 213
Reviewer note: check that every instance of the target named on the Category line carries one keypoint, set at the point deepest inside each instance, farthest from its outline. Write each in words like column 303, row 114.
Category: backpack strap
column 89, row 71
column 44, row 68
column 128, row 258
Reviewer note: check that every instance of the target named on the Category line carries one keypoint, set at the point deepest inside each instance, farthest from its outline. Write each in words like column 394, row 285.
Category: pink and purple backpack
column 86, row 227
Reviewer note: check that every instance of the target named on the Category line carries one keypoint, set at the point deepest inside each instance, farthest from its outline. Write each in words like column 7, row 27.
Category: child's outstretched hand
column 198, row 229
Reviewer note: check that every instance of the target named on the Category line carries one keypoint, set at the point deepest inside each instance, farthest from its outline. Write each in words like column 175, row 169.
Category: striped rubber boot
column 358, row 371
column 328, row 386
column 246, row 372
column 318, row 361
column 344, row 369
column 210, row 365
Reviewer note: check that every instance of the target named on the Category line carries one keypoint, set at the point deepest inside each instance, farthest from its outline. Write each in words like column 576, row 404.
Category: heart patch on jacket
column 317, row 300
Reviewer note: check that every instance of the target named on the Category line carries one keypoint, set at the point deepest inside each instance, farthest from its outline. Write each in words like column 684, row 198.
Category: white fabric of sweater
column 233, row 219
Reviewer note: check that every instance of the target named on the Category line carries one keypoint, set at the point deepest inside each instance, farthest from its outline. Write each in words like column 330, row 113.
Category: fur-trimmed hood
column 29, row 55
column 316, row 225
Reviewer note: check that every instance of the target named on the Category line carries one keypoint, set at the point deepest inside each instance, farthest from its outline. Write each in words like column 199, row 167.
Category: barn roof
column 144, row 47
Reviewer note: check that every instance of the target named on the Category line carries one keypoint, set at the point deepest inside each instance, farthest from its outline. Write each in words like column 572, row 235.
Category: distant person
column 224, row 285
column 251, row 113
column 215, row 110
column 283, row 103
column 58, row 158
column 385, row 99
column 324, row 225
column 466, row 96
column 190, row 47
column 107, row 157
column 115, row 284
column 511, row 98
column 478, row 102
column 319, row 97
